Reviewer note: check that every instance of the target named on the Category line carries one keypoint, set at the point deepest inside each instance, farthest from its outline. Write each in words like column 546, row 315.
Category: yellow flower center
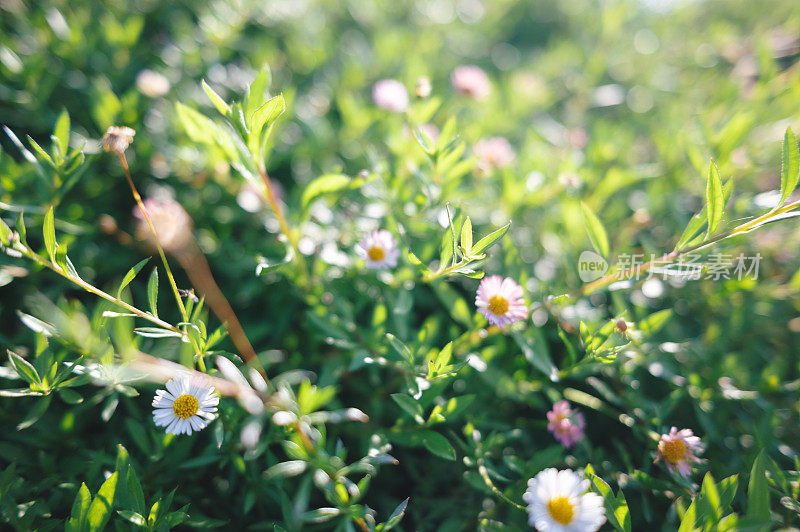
column 498, row 305
column 376, row 253
column 561, row 510
column 673, row 451
column 185, row 406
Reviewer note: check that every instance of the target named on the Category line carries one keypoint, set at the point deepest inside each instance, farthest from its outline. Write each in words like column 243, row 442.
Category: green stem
column 94, row 290
column 638, row 270
column 161, row 253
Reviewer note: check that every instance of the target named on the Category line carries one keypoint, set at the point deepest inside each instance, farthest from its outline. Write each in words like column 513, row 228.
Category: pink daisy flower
column 471, row 81
column 500, row 301
column 566, row 424
column 679, row 450
column 391, row 95
column 379, row 249
column 494, row 152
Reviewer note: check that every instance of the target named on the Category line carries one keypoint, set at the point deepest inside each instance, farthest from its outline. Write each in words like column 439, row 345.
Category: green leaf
column 790, row 165
column 597, row 233
column 49, row 231
column 152, row 292
column 466, row 236
column 715, row 199
column 401, row 348
column 61, row 133
column 216, row 99
column 484, row 243
column 654, row 322
column 396, row 517
column 24, row 368
column 257, row 91
column 264, row 116
column 80, row 508
column 409, row 405
column 133, row 517
column 135, row 492
column 101, row 506
column 5, row 233
column 689, row 519
column 198, row 127
column 758, row 489
column 36, row 412
column 131, row 275
column 438, row 445
column 325, row 184
column 39, row 150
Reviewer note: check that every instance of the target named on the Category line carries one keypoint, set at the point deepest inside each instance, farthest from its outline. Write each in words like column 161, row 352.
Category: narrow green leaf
column 38, row 410
column 396, row 517
column 61, row 133
column 257, row 92
column 80, row 507
column 409, row 405
column 5, row 233
column 265, row 115
column 152, row 292
column 49, row 231
column 24, row 368
column 715, row 199
column 597, row 233
column 135, row 492
column 466, row 236
column 216, row 99
column 101, row 506
column 790, row 165
column 484, row 243
column 325, row 184
column 758, row 490
column 39, row 150
column 131, row 275
column 438, row 445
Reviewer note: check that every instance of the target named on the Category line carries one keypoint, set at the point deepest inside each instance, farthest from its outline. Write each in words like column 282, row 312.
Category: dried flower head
column 391, row 95
column 118, row 138
column 471, row 81
column 679, row 450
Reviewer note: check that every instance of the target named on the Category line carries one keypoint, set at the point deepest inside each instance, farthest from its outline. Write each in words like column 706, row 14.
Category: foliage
column 366, row 399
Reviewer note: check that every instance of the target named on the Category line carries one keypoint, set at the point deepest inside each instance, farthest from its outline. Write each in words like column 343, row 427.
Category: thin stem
column 139, row 202
column 285, row 229
column 441, row 273
column 489, row 484
column 94, row 290
column 641, row 268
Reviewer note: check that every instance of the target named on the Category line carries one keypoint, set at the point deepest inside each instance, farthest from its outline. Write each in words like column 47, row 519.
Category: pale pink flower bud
column 391, row 95
column 471, row 81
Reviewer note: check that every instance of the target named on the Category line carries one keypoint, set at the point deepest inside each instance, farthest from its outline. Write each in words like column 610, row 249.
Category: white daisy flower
column 500, row 301
column 379, row 249
column 186, row 405
column 558, row 502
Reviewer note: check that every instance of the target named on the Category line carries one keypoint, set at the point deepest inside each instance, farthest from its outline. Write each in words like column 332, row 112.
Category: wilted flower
column 170, row 221
column 379, row 249
column 500, row 300
column 679, row 450
column 471, row 81
column 152, row 84
column 565, row 423
column 187, row 405
column 391, row 95
column 558, row 502
column 118, row 138
column 495, row 152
